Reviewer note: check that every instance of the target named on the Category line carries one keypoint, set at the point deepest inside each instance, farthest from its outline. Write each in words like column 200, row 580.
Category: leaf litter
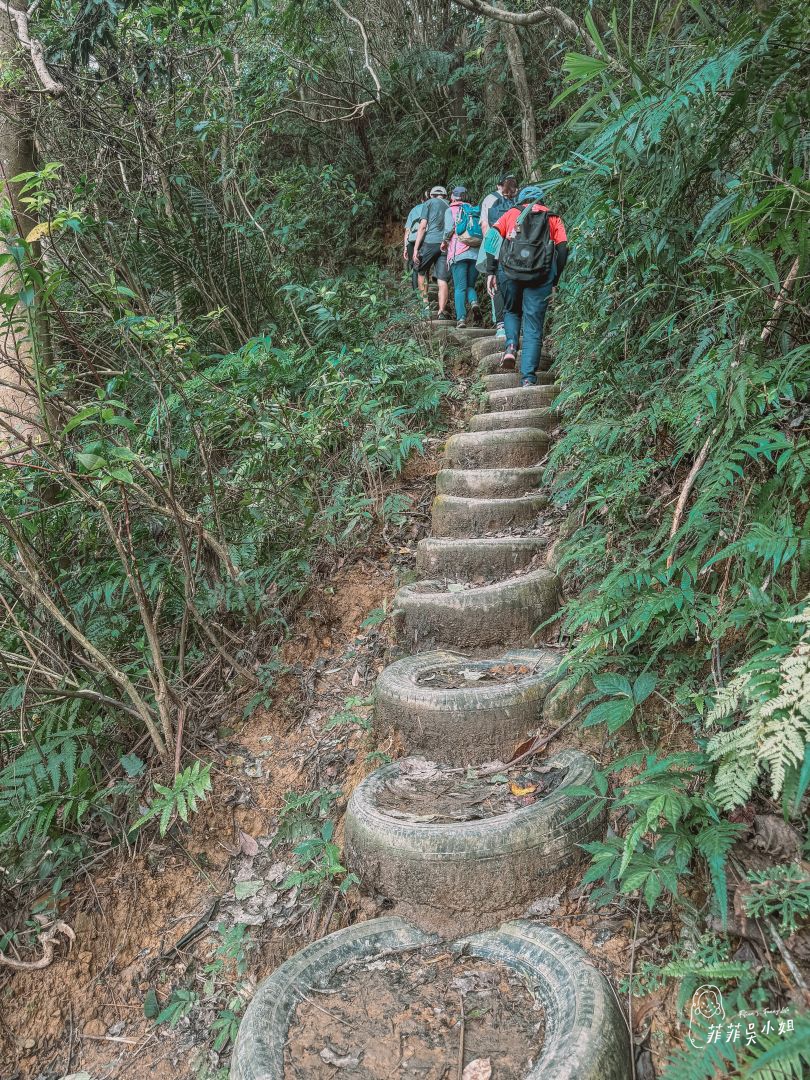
column 428, row 792
column 455, row 677
column 424, row 1012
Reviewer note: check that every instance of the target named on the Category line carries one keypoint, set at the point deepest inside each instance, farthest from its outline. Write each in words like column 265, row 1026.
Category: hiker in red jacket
column 526, row 271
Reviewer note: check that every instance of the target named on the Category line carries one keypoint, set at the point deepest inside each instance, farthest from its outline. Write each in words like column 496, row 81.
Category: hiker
column 427, row 250
column 526, row 271
column 411, row 229
column 462, row 238
column 493, row 207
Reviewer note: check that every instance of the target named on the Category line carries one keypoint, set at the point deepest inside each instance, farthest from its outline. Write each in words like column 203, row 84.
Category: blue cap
column 532, row 193
column 459, row 191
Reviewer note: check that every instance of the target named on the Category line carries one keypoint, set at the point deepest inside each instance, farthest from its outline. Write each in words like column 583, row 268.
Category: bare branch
column 364, row 36
column 545, row 13
column 34, row 48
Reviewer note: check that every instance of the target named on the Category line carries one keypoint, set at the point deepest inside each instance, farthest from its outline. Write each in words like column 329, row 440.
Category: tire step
column 489, row 483
column 510, row 380
column 512, row 448
column 458, row 515
column 490, row 864
column 467, row 560
column 545, row 419
column 524, row 397
column 429, row 614
column 480, row 721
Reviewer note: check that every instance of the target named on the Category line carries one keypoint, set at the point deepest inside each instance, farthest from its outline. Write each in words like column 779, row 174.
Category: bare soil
column 425, row 791
column 423, row 1013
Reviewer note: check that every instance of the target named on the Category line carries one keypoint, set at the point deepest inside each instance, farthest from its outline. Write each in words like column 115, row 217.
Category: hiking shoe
column 461, row 324
column 508, row 359
column 443, row 317
column 527, row 382
column 475, row 315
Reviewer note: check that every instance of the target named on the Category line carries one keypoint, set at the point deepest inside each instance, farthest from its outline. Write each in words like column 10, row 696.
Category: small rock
column 95, row 1027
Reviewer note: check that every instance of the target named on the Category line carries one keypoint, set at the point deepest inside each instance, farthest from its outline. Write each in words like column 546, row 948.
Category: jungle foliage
column 226, row 384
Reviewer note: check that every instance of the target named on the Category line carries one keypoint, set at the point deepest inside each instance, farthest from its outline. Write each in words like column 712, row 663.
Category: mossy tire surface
column 511, row 448
column 544, row 418
column 466, row 559
column 459, row 515
column 507, row 613
column 489, row 483
column 510, row 380
column 484, row 866
column 480, row 721
column 585, row 1033
column 522, row 397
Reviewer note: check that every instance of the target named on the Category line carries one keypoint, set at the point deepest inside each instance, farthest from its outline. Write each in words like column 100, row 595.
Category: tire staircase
column 486, row 585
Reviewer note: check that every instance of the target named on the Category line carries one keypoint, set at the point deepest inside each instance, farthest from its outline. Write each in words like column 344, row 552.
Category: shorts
column 431, row 257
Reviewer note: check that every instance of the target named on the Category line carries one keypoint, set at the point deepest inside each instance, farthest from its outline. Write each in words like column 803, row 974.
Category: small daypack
column 468, row 226
column 498, row 208
column 529, row 254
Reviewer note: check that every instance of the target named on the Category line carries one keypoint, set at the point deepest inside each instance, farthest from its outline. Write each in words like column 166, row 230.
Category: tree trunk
column 528, row 125
column 19, row 405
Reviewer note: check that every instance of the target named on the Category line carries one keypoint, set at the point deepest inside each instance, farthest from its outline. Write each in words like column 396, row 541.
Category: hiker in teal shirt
column 411, row 229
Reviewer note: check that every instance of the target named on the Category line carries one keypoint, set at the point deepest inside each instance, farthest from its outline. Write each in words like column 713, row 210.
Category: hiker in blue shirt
column 428, row 253
column 411, row 229
column 462, row 238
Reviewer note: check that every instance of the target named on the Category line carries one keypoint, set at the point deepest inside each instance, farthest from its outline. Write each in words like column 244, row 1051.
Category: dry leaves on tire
column 480, row 1069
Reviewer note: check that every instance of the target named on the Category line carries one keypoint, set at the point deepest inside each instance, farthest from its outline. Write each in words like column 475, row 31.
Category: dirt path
column 86, row 1011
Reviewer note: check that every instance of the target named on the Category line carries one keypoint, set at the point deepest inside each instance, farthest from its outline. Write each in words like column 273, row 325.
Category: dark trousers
column 414, row 275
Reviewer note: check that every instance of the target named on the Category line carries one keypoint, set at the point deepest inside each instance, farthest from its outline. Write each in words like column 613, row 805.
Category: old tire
column 482, row 348
column 481, row 721
column 466, row 560
column 504, row 613
column 488, row 483
column 456, row 515
column 585, row 1033
column 545, row 419
column 465, row 336
column 510, row 380
column 491, row 363
column 523, row 397
column 259, row 1050
column 484, row 866
column 513, row 448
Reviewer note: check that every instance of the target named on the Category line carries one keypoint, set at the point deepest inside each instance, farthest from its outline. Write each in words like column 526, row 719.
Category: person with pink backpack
column 462, row 238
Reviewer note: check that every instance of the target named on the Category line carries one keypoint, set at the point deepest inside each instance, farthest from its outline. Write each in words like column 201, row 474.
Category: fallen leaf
column 516, row 789
column 480, row 1069
column 248, row 844
column 356, row 677
column 244, row 889
column 346, row 1061
column 472, row 675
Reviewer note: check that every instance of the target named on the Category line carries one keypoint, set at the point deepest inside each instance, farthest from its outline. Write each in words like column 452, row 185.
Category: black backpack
column 529, row 255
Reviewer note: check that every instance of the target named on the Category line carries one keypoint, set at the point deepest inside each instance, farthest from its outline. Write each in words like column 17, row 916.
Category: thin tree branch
column 548, row 12
column 366, row 55
column 33, row 47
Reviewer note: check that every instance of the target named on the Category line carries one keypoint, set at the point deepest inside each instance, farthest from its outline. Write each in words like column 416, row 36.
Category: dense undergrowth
column 229, row 386
column 158, row 542
column 685, row 464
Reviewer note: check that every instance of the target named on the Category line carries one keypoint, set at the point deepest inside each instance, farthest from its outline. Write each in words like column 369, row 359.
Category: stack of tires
column 484, row 597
